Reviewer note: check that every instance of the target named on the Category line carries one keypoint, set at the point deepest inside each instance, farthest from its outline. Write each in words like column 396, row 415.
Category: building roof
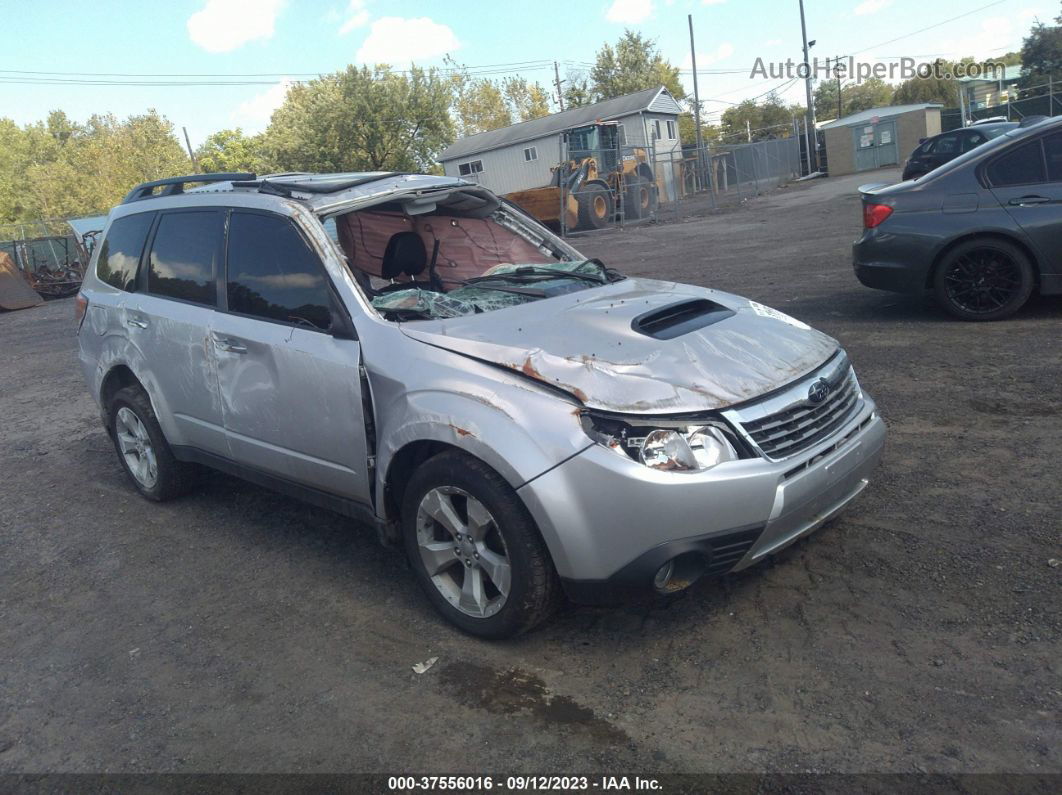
column 1009, row 73
column 886, row 112
column 555, row 122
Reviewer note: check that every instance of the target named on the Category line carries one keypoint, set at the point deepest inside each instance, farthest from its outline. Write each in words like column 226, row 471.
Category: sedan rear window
column 1021, row 166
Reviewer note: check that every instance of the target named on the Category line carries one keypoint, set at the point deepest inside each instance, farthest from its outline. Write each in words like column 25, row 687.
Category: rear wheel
column 475, row 550
column 638, row 199
column 984, row 279
column 596, row 207
column 142, row 449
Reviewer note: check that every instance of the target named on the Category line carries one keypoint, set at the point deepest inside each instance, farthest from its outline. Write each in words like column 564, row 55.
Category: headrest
column 405, row 254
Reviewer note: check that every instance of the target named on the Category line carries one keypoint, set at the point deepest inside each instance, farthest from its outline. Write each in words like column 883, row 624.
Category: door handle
column 1023, row 200
column 229, row 346
column 136, row 323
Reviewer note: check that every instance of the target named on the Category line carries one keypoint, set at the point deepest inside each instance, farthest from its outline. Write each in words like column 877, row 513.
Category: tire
column 984, row 279
column 502, row 533
column 638, row 199
column 596, row 207
column 137, row 437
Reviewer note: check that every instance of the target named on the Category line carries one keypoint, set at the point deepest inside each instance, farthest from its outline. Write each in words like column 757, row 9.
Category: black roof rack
column 284, row 184
column 174, row 185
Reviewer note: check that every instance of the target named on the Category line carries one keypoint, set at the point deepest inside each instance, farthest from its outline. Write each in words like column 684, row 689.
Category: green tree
column 825, row 100
column 231, row 150
column 871, row 93
column 710, row 133
column 480, row 104
column 762, row 121
column 928, row 89
column 577, row 91
column 363, row 119
column 634, row 64
column 1041, row 58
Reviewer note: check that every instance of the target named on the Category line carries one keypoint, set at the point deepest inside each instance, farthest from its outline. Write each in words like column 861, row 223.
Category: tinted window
column 184, row 254
column 121, row 250
column 273, row 274
column 1053, row 153
column 1021, row 166
column 972, row 140
column 947, row 145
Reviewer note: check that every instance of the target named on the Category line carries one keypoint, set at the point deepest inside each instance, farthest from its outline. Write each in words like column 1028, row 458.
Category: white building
column 520, row 157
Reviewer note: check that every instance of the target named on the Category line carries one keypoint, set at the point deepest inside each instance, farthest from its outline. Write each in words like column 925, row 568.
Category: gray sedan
column 983, row 231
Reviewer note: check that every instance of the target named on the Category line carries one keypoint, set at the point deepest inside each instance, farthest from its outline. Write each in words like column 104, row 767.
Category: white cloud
column 629, row 12
column 357, row 17
column 255, row 113
column 225, row 25
column 723, row 51
column 871, row 7
column 396, row 40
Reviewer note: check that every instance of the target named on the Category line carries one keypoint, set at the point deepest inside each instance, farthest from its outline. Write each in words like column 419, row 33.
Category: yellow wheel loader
column 601, row 182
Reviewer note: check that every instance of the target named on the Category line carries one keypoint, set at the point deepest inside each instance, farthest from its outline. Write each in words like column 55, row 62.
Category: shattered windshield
column 448, row 264
column 502, row 286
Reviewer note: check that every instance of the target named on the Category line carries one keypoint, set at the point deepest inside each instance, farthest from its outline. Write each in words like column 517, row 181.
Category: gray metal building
column 520, row 157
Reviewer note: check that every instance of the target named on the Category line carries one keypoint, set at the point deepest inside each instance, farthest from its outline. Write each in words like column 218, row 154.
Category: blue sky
column 294, row 39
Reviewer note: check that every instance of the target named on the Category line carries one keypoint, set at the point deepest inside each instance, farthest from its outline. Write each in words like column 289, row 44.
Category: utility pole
column 748, row 131
column 696, row 104
column 807, row 89
column 557, row 82
column 191, row 155
column 838, row 73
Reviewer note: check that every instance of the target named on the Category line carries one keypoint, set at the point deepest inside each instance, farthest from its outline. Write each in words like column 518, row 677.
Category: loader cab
column 600, row 141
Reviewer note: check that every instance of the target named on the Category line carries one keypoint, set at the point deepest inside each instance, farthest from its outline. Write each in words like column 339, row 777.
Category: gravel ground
column 237, row 630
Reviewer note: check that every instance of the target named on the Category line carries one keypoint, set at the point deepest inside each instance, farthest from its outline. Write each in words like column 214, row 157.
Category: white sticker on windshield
column 766, row 311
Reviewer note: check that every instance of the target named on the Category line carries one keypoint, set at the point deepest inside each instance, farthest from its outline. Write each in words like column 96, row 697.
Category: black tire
column 173, row 478
column 637, row 199
column 596, row 207
column 534, row 591
column 984, row 279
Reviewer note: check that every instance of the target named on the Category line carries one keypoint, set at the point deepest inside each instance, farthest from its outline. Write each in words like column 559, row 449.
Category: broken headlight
column 671, row 445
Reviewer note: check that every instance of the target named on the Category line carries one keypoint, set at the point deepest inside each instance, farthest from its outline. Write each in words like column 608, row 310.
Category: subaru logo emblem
column 818, row 391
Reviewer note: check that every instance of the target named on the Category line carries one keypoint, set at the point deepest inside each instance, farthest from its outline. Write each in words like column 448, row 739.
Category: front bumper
column 610, row 523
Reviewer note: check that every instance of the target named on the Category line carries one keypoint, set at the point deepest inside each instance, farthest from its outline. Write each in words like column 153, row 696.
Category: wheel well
column 401, row 469
column 119, row 377
column 932, row 272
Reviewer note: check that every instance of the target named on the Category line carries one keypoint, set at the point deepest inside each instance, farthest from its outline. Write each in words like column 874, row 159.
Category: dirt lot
column 237, row 630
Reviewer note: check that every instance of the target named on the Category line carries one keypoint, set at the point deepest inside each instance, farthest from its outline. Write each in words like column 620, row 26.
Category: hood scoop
column 674, row 320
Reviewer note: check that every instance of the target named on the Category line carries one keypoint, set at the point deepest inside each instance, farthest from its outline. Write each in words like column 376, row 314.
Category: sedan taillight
column 874, row 214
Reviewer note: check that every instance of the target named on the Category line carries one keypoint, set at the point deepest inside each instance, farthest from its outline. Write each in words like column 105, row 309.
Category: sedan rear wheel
column 984, row 280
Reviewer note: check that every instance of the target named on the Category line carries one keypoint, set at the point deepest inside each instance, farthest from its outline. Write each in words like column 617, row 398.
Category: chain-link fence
column 623, row 185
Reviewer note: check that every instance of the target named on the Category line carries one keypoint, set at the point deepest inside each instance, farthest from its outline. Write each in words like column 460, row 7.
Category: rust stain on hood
column 585, row 343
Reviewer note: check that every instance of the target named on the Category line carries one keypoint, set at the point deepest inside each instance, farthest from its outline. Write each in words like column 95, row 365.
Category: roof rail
column 174, row 185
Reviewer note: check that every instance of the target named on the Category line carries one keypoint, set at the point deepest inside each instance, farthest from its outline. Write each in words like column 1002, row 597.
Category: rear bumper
column 880, row 261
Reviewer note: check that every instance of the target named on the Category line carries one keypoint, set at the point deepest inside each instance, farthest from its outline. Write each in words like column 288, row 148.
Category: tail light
column 80, row 309
column 874, row 214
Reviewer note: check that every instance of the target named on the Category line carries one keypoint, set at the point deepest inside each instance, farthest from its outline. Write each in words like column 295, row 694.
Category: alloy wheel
column 463, row 551
column 982, row 280
column 136, row 448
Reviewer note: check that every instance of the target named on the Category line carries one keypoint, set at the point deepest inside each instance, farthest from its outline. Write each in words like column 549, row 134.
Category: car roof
column 314, row 190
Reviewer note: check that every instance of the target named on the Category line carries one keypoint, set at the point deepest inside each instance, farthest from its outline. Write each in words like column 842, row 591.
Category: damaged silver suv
column 415, row 352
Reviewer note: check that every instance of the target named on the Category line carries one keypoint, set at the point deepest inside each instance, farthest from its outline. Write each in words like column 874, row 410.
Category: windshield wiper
column 531, row 293
column 531, row 275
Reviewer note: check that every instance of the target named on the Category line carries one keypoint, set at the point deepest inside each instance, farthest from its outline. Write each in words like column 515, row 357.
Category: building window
column 671, row 130
column 470, row 168
column 531, row 153
column 621, row 135
column 656, row 130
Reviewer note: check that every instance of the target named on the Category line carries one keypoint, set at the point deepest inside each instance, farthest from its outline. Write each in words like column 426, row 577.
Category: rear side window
column 947, row 145
column 273, row 274
column 1021, row 166
column 184, row 256
column 1053, row 155
column 120, row 254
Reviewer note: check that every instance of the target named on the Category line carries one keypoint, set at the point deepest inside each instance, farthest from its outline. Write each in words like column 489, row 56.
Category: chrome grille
column 799, row 426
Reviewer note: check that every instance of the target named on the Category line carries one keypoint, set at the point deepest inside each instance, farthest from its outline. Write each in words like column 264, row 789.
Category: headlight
column 668, row 445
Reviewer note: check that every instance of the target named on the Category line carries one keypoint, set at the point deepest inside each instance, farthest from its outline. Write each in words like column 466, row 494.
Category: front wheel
column 475, row 549
column 984, row 279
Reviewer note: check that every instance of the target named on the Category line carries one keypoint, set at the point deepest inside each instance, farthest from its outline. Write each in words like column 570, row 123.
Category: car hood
column 595, row 344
